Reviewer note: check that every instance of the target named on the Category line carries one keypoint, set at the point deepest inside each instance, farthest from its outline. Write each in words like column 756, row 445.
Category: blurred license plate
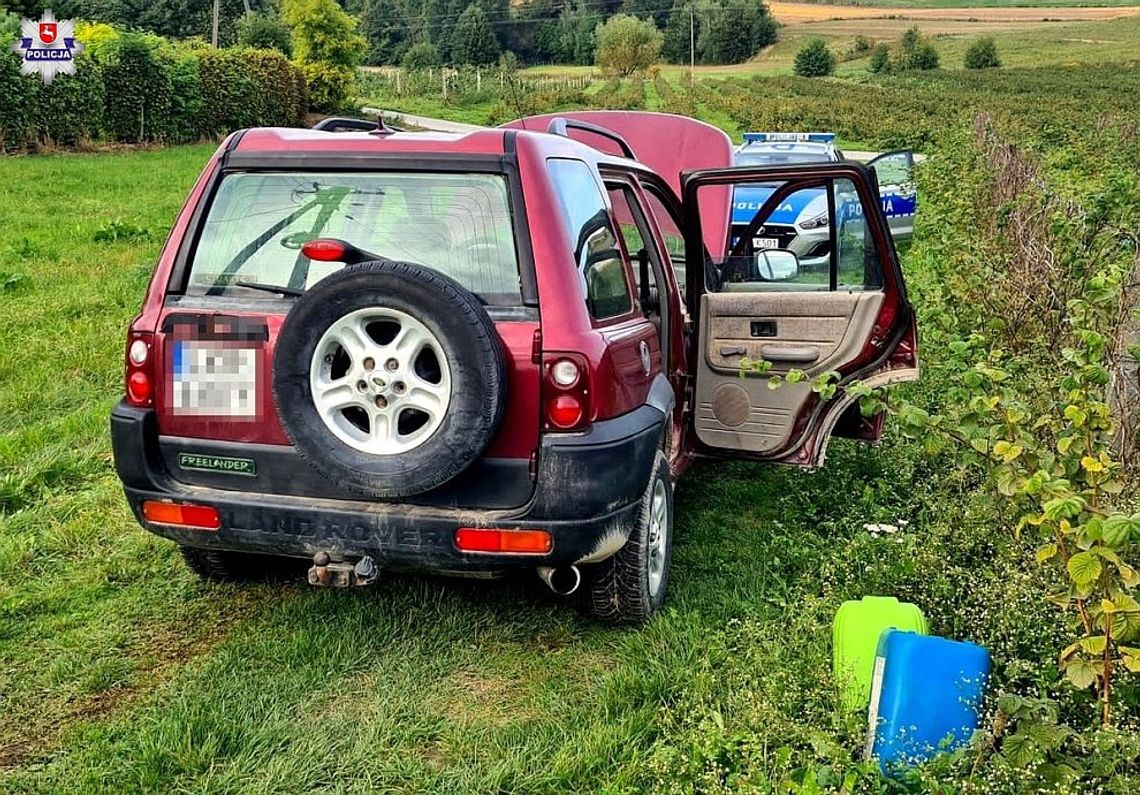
column 765, row 242
column 214, row 380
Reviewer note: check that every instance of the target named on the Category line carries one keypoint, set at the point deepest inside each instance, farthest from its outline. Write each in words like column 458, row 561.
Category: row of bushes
column 134, row 88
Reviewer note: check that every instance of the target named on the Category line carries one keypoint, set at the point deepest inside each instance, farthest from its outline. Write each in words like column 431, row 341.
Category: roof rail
column 561, row 126
column 338, row 123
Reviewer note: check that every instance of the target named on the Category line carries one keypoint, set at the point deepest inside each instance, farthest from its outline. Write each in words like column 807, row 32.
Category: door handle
column 733, row 350
column 797, row 354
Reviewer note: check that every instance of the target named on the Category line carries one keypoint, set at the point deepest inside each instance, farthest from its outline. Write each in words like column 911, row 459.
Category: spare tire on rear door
column 389, row 378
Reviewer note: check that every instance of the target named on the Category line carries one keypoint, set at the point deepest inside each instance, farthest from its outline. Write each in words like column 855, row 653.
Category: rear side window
column 601, row 267
column 458, row 224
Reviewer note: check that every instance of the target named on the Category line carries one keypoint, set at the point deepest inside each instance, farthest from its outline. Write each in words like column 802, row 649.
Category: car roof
column 490, row 141
column 292, row 139
column 821, row 145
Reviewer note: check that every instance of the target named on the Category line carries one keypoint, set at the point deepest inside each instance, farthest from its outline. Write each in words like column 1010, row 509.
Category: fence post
column 443, row 74
column 478, row 80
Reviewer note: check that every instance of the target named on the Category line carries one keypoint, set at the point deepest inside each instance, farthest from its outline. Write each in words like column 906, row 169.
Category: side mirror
column 777, row 265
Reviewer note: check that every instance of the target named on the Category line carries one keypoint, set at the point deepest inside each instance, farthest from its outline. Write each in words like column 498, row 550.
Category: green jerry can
column 855, row 636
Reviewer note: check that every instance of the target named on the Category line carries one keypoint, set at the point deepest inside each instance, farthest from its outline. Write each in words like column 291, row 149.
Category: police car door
column 897, row 190
column 806, row 299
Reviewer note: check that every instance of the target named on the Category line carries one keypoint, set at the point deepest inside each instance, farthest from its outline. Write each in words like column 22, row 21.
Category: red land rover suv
column 473, row 353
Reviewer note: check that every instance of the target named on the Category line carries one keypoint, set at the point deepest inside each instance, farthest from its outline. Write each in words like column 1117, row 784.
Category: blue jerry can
column 926, row 697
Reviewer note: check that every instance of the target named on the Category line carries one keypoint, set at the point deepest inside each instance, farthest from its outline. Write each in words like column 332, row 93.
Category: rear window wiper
column 292, row 292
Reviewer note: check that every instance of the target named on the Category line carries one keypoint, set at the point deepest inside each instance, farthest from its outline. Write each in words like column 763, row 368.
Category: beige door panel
column 814, row 332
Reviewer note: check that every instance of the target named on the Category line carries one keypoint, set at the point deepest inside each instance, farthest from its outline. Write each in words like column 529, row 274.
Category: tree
column 916, row 51
column 536, row 33
column 385, row 27
column 442, row 27
column 323, row 33
column 982, row 54
column 729, row 35
column 264, row 31
column 814, row 60
column 626, row 45
column 578, row 30
column 657, row 11
column 764, row 27
column 327, row 48
column 422, row 55
column 880, row 59
column 676, row 42
column 727, row 31
column 473, row 41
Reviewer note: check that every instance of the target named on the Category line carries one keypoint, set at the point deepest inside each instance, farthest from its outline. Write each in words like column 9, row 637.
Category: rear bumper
column 587, row 492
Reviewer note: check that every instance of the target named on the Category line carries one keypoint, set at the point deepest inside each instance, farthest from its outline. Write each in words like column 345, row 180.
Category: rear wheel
column 629, row 587
column 218, row 565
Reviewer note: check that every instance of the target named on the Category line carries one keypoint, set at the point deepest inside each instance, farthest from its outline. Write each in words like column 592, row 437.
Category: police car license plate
column 765, row 242
column 213, row 380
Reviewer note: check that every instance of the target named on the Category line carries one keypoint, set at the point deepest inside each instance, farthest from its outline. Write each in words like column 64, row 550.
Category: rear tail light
column 512, row 542
column 140, row 369
column 325, row 249
column 199, row 517
column 566, row 391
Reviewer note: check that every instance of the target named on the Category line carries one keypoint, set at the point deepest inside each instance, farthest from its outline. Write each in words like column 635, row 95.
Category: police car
column 800, row 224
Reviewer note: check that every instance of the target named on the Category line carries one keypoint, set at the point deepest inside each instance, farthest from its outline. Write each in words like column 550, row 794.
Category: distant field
column 994, row 11
column 1022, row 43
column 1075, row 6
column 1019, row 44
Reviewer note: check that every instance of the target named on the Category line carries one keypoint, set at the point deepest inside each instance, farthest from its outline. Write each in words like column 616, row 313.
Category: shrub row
column 139, row 88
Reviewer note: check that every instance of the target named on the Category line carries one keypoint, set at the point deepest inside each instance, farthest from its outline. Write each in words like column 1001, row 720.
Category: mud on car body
column 476, row 353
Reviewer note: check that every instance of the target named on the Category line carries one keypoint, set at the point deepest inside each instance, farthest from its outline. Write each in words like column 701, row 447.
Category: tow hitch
column 341, row 573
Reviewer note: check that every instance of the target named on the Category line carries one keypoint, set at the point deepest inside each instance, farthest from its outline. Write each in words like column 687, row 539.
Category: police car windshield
column 778, row 157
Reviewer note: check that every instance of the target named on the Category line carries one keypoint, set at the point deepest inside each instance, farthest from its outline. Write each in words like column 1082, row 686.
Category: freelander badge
column 48, row 48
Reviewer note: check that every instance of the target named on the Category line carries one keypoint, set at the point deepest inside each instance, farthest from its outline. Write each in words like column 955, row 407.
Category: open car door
column 811, row 284
column 898, row 190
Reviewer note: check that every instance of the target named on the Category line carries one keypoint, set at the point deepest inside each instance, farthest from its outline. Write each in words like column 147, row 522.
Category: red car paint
column 617, row 381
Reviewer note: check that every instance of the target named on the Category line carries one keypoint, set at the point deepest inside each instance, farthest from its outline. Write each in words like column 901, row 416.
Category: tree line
column 453, row 31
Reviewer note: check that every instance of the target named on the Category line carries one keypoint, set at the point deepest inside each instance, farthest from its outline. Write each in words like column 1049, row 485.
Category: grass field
column 985, row 10
column 119, row 671
column 1026, row 43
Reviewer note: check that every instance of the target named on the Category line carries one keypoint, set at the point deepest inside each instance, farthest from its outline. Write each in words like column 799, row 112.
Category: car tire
column 629, row 587
column 459, row 332
column 215, row 565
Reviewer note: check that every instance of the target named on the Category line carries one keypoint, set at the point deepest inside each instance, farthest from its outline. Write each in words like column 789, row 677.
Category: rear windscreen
column 458, row 224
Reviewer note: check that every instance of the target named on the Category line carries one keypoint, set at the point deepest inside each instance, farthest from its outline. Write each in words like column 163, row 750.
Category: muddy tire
column 217, row 565
column 630, row 586
column 389, row 378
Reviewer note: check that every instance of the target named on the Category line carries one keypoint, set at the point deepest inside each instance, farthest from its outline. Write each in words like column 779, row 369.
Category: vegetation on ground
column 134, row 88
column 326, row 47
column 129, row 674
column 814, row 60
column 625, row 44
column 982, row 54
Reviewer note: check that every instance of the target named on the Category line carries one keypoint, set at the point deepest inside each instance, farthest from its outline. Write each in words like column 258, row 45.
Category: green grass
column 119, row 671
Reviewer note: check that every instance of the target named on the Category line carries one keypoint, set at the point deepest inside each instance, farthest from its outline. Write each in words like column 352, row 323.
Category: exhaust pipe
column 563, row 580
